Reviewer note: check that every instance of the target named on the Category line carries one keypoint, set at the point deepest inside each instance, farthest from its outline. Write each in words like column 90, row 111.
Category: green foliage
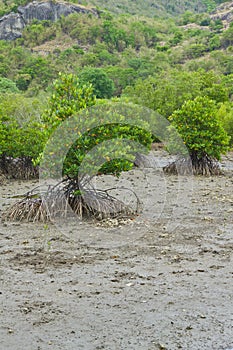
column 219, row 62
column 68, row 97
column 188, row 17
column 167, row 92
column 223, row 61
column 22, row 134
column 38, row 32
column 227, row 38
column 214, row 43
column 19, row 107
column 210, row 4
column 121, row 77
column 153, row 8
column 39, row 69
column 135, row 46
column 98, row 137
column 228, row 82
column 225, row 115
column 199, row 126
column 7, row 86
column 23, row 81
column 177, row 38
column 154, row 60
column 216, row 25
column 195, row 51
column 103, row 86
column 148, row 8
column 22, row 140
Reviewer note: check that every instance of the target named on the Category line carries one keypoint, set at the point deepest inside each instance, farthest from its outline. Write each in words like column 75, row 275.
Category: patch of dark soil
column 41, row 260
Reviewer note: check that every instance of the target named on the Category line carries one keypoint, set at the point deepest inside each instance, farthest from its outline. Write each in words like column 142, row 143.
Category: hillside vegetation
column 125, row 47
column 155, row 8
column 151, row 8
column 147, row 60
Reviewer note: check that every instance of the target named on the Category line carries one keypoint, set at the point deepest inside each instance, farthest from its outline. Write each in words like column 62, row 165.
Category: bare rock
column 50, row 11
column 12, row 25
column 224, row 12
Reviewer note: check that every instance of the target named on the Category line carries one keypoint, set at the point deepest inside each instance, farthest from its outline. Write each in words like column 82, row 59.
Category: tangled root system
column 2, row 178
column 18, row 168
column 187, row 166
column 60, row 199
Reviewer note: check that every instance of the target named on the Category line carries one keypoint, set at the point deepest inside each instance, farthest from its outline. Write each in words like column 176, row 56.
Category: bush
column 103, row 86
column 7, row 85
column 22, row 134
column 168, row 91
column 198, row 125
column 225, row 115
column 22, row 140
column 99, row 136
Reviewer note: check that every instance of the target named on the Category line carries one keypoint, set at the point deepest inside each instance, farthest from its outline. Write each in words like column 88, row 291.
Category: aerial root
column 18, row 168
column 193, row 166
column 59, row 200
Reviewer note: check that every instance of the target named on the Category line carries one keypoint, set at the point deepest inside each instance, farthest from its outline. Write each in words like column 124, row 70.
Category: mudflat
column 161, row 281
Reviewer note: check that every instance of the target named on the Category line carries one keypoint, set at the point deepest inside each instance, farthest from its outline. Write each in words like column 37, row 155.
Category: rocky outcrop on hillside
column 224, row 12
column 12, row 25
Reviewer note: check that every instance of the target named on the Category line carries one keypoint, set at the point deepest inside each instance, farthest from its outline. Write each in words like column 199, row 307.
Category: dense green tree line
column 153, row 62
column 125, row 48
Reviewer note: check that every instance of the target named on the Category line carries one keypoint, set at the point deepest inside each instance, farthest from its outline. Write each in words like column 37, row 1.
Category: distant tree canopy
column 125, row 47
column 225, row 114
column 21, row 131
column 138, row 7
column 103, row 86
column 167, row 92
column 7, row 85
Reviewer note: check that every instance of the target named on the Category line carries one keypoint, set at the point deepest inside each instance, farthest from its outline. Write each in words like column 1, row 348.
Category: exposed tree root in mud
column 18, row 168
column 65, row 198
column 2, row 178
column 194, row 166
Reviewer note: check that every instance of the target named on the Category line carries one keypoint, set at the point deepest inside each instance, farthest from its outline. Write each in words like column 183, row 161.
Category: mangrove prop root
column 18, row 168
column 57, row 201
column 187, row 166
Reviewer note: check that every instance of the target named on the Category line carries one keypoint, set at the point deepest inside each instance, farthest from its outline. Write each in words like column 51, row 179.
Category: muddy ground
column 162, row 281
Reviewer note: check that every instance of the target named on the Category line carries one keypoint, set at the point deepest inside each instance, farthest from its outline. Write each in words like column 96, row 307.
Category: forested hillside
column 134, row 57
column 124, row 47
column 149, row 8
column 156, row 8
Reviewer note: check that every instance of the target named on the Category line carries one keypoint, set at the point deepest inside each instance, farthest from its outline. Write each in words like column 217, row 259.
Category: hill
column 125, row 47
column 155, row 8
column 157, row 62
column 149, row 8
